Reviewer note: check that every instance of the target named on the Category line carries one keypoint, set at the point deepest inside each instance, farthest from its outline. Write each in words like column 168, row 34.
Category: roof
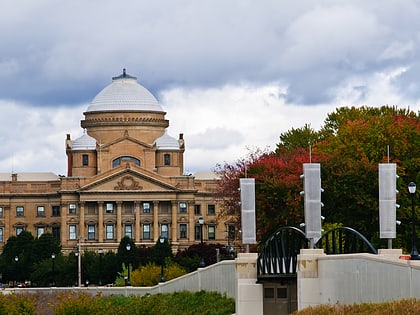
column 84, row 142
column 166, row 142
column 29, row 177
column 206, row 175
column 124, row 93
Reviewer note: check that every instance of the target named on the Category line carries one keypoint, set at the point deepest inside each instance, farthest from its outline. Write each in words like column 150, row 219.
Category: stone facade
column 125, row 177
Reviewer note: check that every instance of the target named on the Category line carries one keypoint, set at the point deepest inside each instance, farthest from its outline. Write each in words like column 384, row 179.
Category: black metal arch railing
column 278, row 256
column 344, row 240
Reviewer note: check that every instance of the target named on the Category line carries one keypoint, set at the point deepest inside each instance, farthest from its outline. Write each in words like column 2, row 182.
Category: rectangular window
column 72, row 232
column 211, row 210
column 19, row 211
column 146, row 207
column 40, row 211
column 85, row 159
column 110, row 232
column 164, row 231
column 167, row 159
column 40, row 231
column 231, row 232
column 197, row 233
column 183, row 207
column 128, row 230
column 146, row 231
column 182, row 231
column 1, row 212
column 91, row 232
column 109, row 206
column 1, row 235
column 72, row 208
column 56, row 232
column 56, row 211
column 19, row 230
column 197, row 209
column 211, row 232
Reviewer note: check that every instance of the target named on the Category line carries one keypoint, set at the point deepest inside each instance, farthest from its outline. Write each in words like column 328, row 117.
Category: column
column 100, row 222
column 137, row 229
column 155, row 220
column 191, row 221
column 174, row 225
column 119, row 221
column 64, row 228
column 82, row 220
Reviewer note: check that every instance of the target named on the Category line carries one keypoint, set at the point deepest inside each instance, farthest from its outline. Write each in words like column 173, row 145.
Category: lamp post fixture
column 76, row 254
column 128, row 248
column 162, row 263
column 202, row 262
column 100, row 252
column 53, row 270
column 414, row 253
column 16, row 269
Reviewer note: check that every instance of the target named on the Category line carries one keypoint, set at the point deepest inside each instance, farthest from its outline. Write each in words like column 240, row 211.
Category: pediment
column 128, row 180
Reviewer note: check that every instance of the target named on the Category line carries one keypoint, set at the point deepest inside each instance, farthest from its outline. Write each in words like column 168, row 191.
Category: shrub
column 150, row 274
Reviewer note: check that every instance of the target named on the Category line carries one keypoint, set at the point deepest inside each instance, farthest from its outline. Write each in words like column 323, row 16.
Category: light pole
column 78, row 268
column 162, row 263
column 16, row 269
column 128, row 248
column 202, row 262
column 100, row 252
column 414, row 253
column 53, row 269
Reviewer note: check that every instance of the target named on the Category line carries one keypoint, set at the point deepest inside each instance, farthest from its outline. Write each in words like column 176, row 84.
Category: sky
column 231, row 75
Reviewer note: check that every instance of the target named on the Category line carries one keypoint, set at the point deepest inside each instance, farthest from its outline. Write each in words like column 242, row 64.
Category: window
column 19, row 211
column 231, row 232
column 211, row 232
column 56, row 232
column 128, row 230
column 40, row 231
column 183, row 207
column 72, row 232
column 197, row 209
column 146, row 231
column 146, row 207
column 40, row 211
column 182, row 231
column 211, row 210
column 117, row 162
column 1, row 212
column 85, row 160
column 56, row 211
column 1, row 235
column 110, row 232
column 167, row 159
column 109, row 206
column 197, row 233
column 72, row 208
column 91, row 232
column 164, row 231
column 19, row 230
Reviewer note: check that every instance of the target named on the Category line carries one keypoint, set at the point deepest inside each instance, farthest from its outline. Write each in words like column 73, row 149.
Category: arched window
column 118, row 161
column 167, row 159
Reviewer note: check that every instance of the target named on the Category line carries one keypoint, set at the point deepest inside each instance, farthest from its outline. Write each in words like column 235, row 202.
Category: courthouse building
column 125, row 177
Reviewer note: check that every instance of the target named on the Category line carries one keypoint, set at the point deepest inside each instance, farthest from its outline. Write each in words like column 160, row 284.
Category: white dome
column 166, row 142
column 124, row 93
column 85, row 142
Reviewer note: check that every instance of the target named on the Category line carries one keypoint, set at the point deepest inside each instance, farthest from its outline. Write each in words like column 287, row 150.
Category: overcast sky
column 229, row 74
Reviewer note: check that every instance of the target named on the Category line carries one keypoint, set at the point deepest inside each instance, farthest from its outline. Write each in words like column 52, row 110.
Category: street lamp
column 414, row 253
column 202, row 262
column 162, row 263
column 128, row 248
column 78, row 268
column 16, row 269
column 53, row 269
column 100, row 252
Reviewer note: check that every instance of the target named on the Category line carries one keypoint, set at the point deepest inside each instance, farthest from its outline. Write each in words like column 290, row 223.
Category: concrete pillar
column 191, row 222
column 119, row 221
column 82, row 220
column 308, row 286
column 249, row 295
column 64, row 234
